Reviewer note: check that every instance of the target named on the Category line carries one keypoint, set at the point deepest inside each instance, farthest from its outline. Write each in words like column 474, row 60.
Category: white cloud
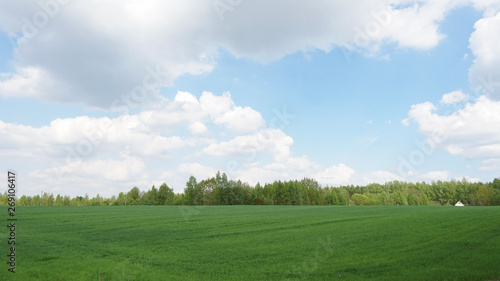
column 198, row 128
column 416, row 26
column 152, row 133
column 90, row 176
column 453, row 97
column 490, row 165
column 294, row 168
column 435, row 176
column 23, row 83
column 382, row 177
column 485, row 45
column 274, row 141
column 406, row 122
column 186, row 110
column 473, row 131
column 335, row 175
column 87, row 53
column 379, row 177
column 241, row 120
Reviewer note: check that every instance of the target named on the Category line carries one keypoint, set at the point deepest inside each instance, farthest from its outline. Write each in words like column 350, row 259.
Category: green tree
column 399, row 198
column 360, row 199
column 132, row 197
column 193, row 193
column 153, row 196
column 313, row 191
column 85, row 201
column 66, row 200
column 331, row 197
column 4, row 200
column 484, row 195
column 49, row 199
column 223, row 189
column 209, row 190
column 23, row 201
column 268, row 201
column 165, row 195
column 122, row 198
column 496, row 184
column 58, row 200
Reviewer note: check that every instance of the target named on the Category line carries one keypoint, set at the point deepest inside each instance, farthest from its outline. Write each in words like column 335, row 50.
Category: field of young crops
column 254, row 243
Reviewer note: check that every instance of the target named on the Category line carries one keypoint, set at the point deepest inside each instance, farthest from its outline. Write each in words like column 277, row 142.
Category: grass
column 255, row 243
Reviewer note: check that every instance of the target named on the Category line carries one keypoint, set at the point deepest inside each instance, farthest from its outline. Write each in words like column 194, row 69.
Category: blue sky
column 290, row 93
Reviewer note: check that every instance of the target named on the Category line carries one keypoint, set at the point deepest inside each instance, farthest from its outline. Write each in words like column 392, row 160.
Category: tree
column 65, row 200
column 122, row 199
column 85, row 201
column 331, row 197
column 412, row 200
column 361, row 199
column 496, row 184
column 192, row 192
column 268, row 201
column 133, row 196
column 484, row 195
column 153, row 196
column 295, row 193
column 4, row 199
column 223, row 192
column 23, row 201
column 313, row 191
column 49, row 199
column 165, row 195
column 209, row 190
column 399, row 198
column 58, row 200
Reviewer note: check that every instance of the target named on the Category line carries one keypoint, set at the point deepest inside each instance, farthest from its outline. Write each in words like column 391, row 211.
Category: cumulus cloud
column 453, row 97
column 241, row 120
column 274, row 141
column 113, row 151
column 380, row 177
column 490, row 165
column 151, row 133
column 435, row 176
column 118, row 54
column 90, row 176
column 292, row 168
column 186, row 110
column 472, row 132
column 335, row 175
column 101, row 54
column 485, row 45
column 177, row 177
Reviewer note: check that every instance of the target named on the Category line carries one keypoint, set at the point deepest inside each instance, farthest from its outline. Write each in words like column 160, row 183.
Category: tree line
column 219, row 190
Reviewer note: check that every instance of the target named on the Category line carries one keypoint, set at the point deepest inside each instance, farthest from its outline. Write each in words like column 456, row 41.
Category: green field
column 255, row 243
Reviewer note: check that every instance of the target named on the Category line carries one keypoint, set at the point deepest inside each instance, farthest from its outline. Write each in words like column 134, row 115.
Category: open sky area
column 98, row 97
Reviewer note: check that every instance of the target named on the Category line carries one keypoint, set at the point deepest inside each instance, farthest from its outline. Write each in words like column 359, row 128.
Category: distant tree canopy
column 219, row 190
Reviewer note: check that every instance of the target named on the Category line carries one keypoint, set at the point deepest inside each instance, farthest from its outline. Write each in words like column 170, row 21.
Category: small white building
column 459, row 204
